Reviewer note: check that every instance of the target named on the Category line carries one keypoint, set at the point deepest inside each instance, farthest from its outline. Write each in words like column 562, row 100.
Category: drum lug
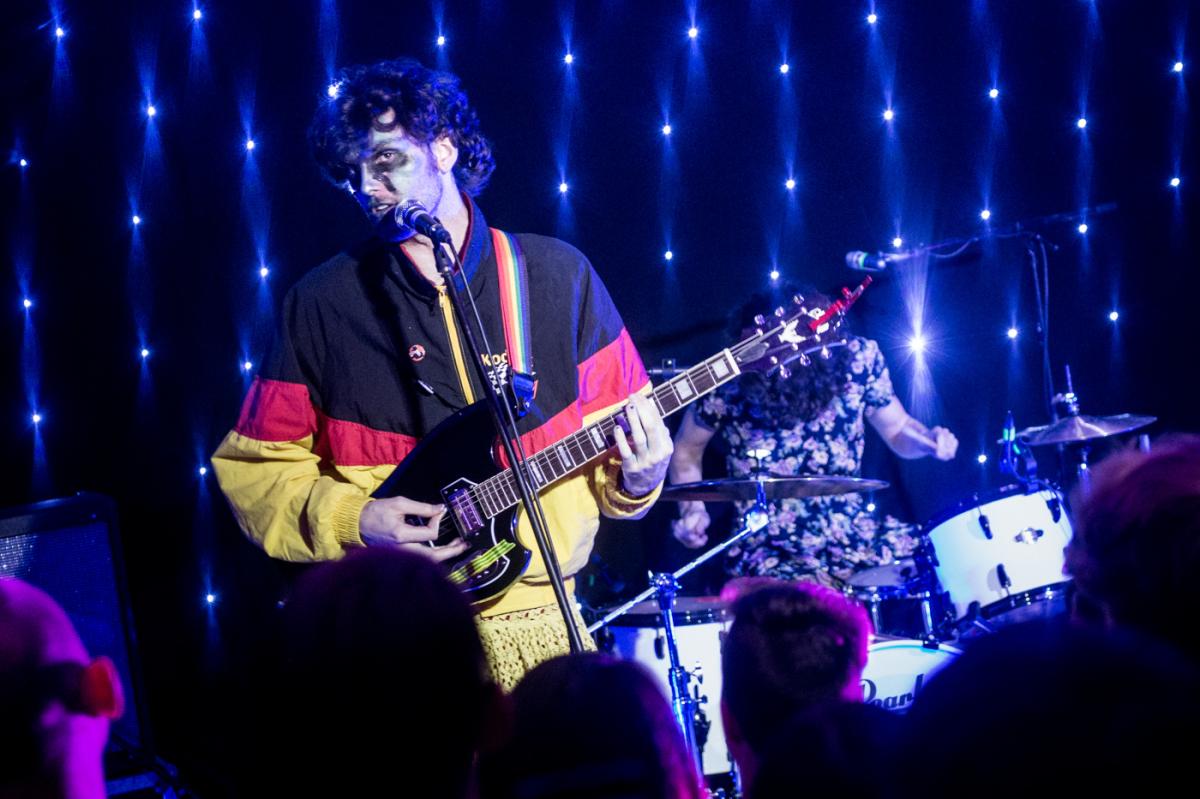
column 1055, row 506
column 986, row 525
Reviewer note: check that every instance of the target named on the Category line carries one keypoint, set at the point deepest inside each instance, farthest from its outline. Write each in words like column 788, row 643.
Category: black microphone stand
column 467, row 313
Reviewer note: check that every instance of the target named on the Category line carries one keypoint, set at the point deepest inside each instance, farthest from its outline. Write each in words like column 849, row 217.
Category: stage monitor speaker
column 71, row 549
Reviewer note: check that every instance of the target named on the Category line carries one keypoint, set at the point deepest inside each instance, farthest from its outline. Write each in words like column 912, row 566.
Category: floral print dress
column 822, row 539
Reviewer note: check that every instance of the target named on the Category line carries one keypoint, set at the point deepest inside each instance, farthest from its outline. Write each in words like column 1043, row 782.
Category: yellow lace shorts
column 516, row 642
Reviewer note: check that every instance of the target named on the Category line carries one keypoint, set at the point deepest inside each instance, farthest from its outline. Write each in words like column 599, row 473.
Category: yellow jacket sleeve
column 612, row 499
column 285, row 502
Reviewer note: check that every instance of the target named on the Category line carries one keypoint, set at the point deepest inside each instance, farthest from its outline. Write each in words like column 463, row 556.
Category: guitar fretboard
column 499, row 492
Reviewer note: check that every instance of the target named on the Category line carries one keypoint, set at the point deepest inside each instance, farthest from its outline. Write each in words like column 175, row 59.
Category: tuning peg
column 784, row 372
column 798, row 299
column 759, row 319
column 779, row 312
column 805, row 360
column 825, row 353
column 774, row 360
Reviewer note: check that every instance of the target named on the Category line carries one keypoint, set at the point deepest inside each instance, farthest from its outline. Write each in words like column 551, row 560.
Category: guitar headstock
column 793, row 333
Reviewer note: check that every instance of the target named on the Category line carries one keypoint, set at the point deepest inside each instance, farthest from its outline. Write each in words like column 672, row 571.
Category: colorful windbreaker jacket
column 368, row 358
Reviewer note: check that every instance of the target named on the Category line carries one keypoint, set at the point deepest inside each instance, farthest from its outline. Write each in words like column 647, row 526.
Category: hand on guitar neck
column 645, row 448
column 397, row 523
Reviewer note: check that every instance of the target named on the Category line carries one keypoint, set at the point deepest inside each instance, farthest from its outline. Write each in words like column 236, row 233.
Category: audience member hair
column 1050, row 706
column 1136, row 547
column 55, row 701
column 382, row 682
column 840, row 749
column 790, row 647
column 590, row 725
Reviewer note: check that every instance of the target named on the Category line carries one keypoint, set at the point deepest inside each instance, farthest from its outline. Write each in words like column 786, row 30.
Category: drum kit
column 994, row 559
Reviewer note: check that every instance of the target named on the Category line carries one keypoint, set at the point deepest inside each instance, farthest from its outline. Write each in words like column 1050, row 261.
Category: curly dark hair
column 800, row 397
column 428, row 104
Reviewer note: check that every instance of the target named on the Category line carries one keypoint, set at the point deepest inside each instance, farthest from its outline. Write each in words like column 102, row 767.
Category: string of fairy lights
column 880, row 53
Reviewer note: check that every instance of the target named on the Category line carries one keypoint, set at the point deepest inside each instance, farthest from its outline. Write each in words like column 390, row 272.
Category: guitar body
column 454, row 456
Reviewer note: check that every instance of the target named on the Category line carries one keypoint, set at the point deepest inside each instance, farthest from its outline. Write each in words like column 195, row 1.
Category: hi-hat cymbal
column 773, row 488
column 1083, row 428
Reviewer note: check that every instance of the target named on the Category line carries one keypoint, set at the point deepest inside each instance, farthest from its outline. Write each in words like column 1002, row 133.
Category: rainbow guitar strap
column 513, row 274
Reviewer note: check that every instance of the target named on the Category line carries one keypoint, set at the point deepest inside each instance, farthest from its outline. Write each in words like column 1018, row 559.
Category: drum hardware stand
column 664, row 585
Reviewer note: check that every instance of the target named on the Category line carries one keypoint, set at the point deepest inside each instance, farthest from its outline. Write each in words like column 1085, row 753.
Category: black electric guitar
column 454, row 463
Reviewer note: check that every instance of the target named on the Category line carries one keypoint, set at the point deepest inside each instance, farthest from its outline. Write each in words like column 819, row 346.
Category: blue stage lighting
column 210, row 598
column 59, row 32
column 1175, row 183
column 263, row 272
column 441, row 41
column 23, row 163
column 1013, row 333
column 985, row 214
column 693, row 32
column 889, row 115
column 789, row 184
column 1178, row 67
column 136, row 220
column 1081, row 123
column 249, row 145
column 568, row 59
column 872, row 18
column 994, row 93
column 562, row 187
column 333, row 89
column 982, row 458
column 870, row 507
column 151, row 111
column 145, row 353
column 666, row 130
column 247, row 366
column 36, row 418
column 668, row 255
column 197, row 14
column 203, row 470
column 1083, row 228
column 784, row 69
column 897, row 242
column 1113, row 316
column 774, row 274
column 27, row 303
column 916, row 344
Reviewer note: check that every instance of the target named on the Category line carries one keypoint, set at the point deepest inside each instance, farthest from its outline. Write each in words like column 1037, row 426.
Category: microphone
column 414, row 216
column 861, row 261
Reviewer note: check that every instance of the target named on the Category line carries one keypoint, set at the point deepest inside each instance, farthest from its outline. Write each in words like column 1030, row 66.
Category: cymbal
column 1083, row 428
column 773, row 488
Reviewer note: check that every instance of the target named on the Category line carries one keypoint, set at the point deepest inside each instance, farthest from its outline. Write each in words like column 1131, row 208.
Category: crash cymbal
column 1082, row 428
column 773, row 488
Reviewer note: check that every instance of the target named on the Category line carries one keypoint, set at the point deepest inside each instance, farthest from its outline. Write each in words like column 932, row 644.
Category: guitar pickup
column 466, row 513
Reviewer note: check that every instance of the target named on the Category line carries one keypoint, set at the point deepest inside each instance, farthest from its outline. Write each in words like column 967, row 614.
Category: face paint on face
column 393, row 169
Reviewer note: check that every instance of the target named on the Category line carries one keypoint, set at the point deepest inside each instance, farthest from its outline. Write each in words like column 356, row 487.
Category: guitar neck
column 499, row 492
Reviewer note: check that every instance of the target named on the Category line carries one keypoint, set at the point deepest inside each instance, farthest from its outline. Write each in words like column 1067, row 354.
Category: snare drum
column 898, row 599
column 1000, row 555
column 897, row 670
column 700, row 625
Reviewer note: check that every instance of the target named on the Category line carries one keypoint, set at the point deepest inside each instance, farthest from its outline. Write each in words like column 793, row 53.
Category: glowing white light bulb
column 249, row 145
column 263, row 271
column 562, row 187
column 145, row 353
column 982, row 459
column 1113, row 316
column 1081, row 123
column 568, row 59
column 333, row 90
column 693, row 32
column 247, row 366
column 994, row 93
column 59, row 33
column 23, row 163
column 197, row 14
column 917, row 344
column 1083, row 228
column 789, row 184
column 1178, row 67
column 985, row 214
column 1174, row 183
column 784, row 69
column 210, row 598
column 872, row 18
column 668, row 255
column 137, row 220
column 666, row 130
column 1013, row 333
column 203, row 470
column 36, row 418
column 151, row 111
column 441, row 41
column 28, row 303
column 870, row 507
column 897, row 242
column 889, row 115
column 774, row 274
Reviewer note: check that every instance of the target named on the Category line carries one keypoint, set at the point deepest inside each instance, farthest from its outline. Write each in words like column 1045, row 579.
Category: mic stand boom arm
column 467, row 313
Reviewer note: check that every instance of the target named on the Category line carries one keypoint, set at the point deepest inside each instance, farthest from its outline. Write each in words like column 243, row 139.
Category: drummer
column 810, row 423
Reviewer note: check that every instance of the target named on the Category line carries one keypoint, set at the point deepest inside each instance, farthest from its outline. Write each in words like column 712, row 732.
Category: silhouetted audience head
column 790, row 647
column 55, row 701
column 840, row 749
column 383, row 685
column 1135, row 555
column 590, row 725
column 1048, row 706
